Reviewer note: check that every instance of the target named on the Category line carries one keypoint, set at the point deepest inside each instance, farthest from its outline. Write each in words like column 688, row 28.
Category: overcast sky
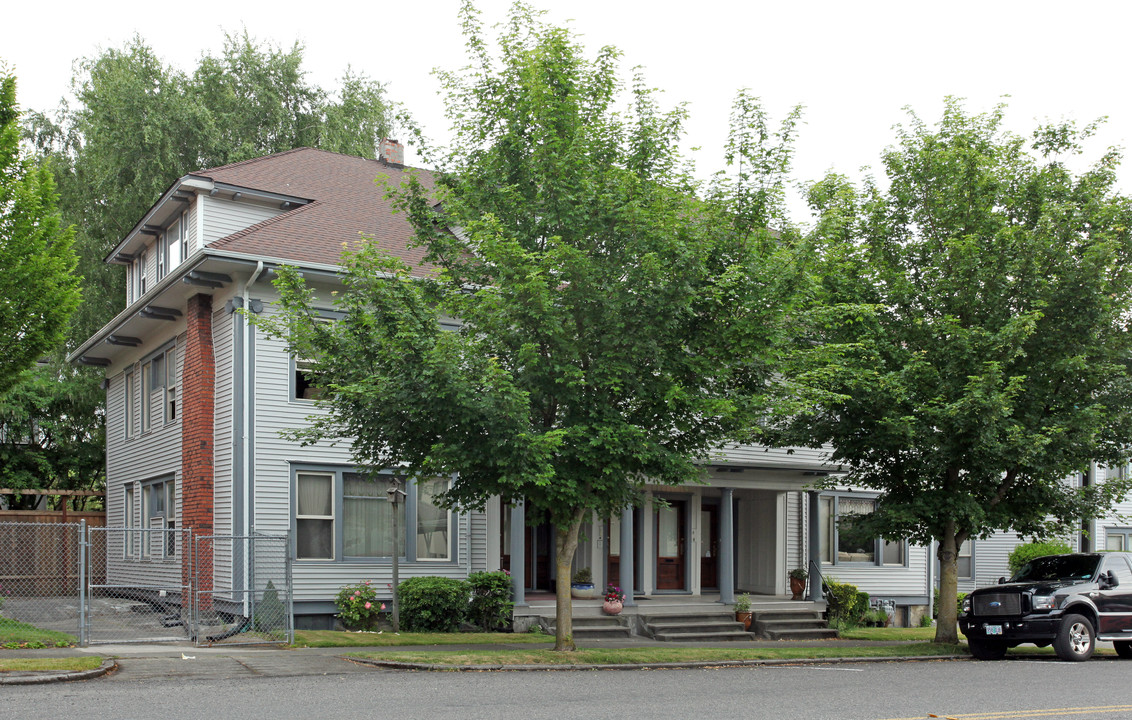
column 853, row 65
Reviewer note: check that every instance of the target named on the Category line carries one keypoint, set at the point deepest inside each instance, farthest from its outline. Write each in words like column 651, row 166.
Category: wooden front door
column 670, row 546
column 709, row 546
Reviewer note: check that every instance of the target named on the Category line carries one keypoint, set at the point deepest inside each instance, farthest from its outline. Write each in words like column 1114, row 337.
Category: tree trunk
column 565, row 543
column 946, row 626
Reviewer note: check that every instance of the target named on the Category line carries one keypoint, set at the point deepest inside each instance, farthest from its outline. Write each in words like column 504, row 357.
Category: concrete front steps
column 706, row 625
column 603, row 627
column 782, row 623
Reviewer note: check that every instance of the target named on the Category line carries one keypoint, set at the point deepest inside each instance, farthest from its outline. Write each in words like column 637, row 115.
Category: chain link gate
column 139, row 587
column 41, row 570
column 243, row 590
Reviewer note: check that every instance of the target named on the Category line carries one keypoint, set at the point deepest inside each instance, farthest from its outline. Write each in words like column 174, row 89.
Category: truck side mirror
column 1002, row 581
column 1107, row 580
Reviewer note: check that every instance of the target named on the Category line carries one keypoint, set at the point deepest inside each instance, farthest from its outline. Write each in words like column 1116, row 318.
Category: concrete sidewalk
column 126, row 663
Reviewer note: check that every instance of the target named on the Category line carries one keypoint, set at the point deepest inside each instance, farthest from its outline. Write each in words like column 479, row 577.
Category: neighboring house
column 983, row 562
column 197, row 397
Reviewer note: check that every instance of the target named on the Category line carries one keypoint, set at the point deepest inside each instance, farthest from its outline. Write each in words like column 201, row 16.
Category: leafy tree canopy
column 38, row 288
column 615, row 327
column 971, row 346
column 139, row 124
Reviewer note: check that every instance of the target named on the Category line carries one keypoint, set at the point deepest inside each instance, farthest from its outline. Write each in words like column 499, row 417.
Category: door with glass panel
column 709, row 546
column 670, row 539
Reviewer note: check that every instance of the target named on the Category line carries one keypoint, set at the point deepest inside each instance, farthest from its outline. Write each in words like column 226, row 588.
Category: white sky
column 854, row 65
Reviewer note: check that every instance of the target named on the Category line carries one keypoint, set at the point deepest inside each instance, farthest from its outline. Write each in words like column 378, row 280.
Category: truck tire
column 983, row 649
column 1123, row 648
column 1075, row 640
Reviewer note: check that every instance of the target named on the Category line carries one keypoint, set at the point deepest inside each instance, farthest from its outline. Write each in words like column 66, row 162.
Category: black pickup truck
column 1070, row 601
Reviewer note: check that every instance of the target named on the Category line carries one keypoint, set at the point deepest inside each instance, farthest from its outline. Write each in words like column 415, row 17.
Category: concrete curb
column 394, row 665
column 40, row 678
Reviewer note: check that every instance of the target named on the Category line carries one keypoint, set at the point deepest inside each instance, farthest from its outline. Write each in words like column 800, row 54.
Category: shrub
column 583, row 577
column 846, row 604
column 433, row 604
column 358, row 606
column 270, row 613
column 1025, row 553
column 490, row 608
column 959, row 597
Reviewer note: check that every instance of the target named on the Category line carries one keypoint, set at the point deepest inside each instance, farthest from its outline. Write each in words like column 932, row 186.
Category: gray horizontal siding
column 222, row 217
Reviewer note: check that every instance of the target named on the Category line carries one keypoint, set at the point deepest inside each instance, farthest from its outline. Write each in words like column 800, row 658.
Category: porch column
column 518, row 547
column 727, row 547
column 814, row 564
column 626, row 559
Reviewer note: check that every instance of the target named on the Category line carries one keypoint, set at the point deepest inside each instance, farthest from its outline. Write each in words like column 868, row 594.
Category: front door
column 709, row 547
column 670, row 546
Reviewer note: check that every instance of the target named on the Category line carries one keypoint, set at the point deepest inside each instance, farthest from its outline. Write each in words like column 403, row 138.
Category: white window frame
column 160, row 524
column 130, row 404
column 829, row 551
column 170, row 384
column 142, row 277
column 966, row 550
column 146, row 400
column 1124, row 534
column 299, row 364
column 408, row 531
column 129, row 543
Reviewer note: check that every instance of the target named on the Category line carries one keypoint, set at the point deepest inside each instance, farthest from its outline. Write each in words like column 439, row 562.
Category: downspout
column 245, row 445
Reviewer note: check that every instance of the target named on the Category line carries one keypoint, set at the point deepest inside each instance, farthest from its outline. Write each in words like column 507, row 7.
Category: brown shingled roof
column 346, row 204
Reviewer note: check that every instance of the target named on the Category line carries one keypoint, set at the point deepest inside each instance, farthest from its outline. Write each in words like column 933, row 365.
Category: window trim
column 129, row 543
column 970, row 543
column 1121, row 532
column 323, row 315
column 130, row 380
column 146, row 399
column 408, row 531
column 167, row 531
column 832, row 531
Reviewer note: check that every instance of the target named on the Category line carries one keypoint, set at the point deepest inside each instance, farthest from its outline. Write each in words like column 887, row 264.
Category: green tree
column 53, row 431
column 38, row 288
column 971, row 347
column 140, row 124
column 615, row 328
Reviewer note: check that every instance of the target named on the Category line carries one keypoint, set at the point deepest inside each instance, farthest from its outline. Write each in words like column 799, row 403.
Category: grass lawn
column 890, row 634
column 14, row 633
column 333, row 638
column 27, row 664
column 624, row 656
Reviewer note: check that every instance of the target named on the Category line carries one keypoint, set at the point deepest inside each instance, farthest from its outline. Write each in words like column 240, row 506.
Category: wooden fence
column 39, row 551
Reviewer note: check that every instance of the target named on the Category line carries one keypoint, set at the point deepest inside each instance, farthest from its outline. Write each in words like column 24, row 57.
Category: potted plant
column 798, row 582
column 614, row 600
column 582, row 586
column 743, row 610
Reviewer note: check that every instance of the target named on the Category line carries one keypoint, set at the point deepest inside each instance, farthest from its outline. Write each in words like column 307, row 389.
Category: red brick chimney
column 198, row 392
column 392, row 151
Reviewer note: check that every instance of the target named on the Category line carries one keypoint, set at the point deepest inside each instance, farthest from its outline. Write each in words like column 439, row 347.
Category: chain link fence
column 243, row 593
column 65, row 583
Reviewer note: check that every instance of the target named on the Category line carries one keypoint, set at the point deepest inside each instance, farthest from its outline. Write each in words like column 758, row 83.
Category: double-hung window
column 1117, row 539
column 129, row 545
column 304, row 386
column 965, row 567
column 341, row 514
column 146, row 389
column 159, row 513
column 844, row 541
column 130, row 407
column 141, row 275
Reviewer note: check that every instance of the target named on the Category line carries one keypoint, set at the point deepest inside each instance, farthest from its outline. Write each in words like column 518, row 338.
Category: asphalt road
column 963, row 690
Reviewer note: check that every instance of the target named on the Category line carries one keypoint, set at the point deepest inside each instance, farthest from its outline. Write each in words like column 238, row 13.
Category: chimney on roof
column 392, row 151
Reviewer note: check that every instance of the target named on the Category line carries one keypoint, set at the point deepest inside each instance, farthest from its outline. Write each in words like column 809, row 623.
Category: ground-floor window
column 843, row 541
column 1117, row 539
column 159, row 513
column 341, row 514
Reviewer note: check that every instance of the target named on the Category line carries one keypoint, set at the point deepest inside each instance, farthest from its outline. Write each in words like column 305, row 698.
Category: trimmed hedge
column 1025, row 553
column 433, row 604
column 846, row 604
column 490, row 608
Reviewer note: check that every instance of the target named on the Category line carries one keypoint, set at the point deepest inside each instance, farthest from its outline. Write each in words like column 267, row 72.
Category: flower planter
column 797, row 586
column 612, row 607
column 582, row 591
column 745, row 618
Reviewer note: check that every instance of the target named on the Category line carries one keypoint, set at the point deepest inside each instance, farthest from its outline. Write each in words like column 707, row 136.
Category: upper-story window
column 171, row 246
column 130, row 428
column 142, row 280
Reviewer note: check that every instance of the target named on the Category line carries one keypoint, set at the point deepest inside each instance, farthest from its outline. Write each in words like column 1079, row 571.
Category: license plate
column 994, row 629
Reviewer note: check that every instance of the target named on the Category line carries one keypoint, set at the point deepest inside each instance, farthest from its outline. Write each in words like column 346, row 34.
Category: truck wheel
column 1074, row 641
column 1123, row 648
column 984, row 649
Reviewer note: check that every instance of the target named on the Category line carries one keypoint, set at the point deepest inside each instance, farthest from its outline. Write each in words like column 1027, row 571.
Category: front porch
column 681, row 617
